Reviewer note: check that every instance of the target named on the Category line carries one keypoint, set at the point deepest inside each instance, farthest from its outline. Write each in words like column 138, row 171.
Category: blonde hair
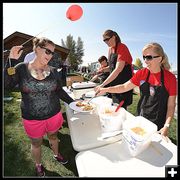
column 157, row 48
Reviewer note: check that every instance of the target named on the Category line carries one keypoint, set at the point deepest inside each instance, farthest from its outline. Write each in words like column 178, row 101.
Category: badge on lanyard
column 152, row 91
column 11, row 70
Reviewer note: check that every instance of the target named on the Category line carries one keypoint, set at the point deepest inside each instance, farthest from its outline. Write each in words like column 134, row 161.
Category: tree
column 76, row 51
column 138, row 63
column 79, row 51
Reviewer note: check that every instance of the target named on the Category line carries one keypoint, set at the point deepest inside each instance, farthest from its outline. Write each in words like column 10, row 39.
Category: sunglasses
column 107, row 39
column 149, row 57
column 47, row 51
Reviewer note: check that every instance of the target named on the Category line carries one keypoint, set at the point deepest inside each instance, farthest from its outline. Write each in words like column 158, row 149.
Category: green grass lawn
column 17, row 160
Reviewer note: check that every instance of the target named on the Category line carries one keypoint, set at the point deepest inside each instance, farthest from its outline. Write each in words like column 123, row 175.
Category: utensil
column 110, row 134
column 120, row 104
column 82, row 97
column 90, row 99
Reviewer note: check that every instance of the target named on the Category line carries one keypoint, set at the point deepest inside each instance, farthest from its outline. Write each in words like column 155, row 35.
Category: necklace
column 40, row 73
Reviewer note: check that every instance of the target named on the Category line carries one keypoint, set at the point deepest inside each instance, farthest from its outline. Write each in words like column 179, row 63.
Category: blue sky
column 136, row 23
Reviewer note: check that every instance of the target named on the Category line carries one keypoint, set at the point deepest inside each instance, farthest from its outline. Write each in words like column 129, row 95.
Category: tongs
column 90, row 99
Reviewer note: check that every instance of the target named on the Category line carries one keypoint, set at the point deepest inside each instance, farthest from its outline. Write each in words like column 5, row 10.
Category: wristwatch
column 166, row 125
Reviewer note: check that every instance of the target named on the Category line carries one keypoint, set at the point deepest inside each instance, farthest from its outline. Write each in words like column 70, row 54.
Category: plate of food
column 81, row 106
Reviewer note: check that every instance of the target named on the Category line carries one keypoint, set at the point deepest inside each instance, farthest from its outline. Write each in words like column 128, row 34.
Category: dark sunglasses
column 47, row 51
column 149, row 57
column 107, row 39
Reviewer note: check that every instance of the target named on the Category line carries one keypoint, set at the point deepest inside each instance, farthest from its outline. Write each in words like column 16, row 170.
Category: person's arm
column 127, row 86
column 170, row 114
column 106, row 69
column 63, row 95
column 11, row 80
column 94, row 78
column 99, row 70
column 119, row 67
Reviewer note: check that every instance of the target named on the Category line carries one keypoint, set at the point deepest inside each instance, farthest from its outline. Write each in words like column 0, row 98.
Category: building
column 18, row 38
column 94, row 66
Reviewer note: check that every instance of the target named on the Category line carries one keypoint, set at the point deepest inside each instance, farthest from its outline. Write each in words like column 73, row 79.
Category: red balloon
column 74, row 12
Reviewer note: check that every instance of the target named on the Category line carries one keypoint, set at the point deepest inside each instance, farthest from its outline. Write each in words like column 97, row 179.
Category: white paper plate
column 78, row 109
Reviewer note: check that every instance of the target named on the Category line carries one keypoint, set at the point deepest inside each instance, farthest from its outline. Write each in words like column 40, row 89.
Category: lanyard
column 11, row 70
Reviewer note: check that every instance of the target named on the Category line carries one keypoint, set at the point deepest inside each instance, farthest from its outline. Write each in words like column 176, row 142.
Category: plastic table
column 114, row 160
column 85, row 128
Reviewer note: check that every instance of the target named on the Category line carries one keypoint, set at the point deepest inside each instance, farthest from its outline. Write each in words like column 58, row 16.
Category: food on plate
column 87, row 107
column 80, row 104
column 138, row 130
column 84, row 106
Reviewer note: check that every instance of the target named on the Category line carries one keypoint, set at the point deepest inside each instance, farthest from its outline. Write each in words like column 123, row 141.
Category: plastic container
column 137, row 134
column 100, row 101
column 83, row 85
column 109, row 119
column 80, row 88
column 79, row 92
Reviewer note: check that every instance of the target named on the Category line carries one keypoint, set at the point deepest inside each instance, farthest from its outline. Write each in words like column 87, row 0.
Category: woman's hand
column 100, row 91
column 100, row 71
column 15, row 52
column 96, row 88
column 164, row 131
